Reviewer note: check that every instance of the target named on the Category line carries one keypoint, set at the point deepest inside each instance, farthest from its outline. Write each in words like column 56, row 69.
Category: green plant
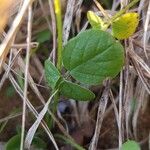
column 130, row 145
column 43, row 36
column 14, row 143
column 90, row 57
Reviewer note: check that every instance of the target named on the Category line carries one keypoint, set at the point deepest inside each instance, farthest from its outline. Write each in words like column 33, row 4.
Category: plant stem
column 124, row 10
column 57, row 6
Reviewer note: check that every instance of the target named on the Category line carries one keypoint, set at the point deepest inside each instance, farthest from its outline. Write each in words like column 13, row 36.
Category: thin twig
column 102, row 10
column 34, row 127
column 4, row 47
column 68, row 20
column 53, row 18
column 120, row 110
column 145, row 39
column 29, row 27
column 30, row 106
column 100, row 115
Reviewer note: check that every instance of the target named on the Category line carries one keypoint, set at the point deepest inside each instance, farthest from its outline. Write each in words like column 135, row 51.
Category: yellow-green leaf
column 124, row 26
column 95, row 20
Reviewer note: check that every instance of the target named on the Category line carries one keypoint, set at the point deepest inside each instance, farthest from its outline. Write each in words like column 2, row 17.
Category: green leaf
column 95, row 20
column 75, row 91
column 124, row 26
column 10, row 91
column 39, row 144
column 43, row 36
column 93, row 56
column 52, row 74
column 13, row 143
column 130, row 145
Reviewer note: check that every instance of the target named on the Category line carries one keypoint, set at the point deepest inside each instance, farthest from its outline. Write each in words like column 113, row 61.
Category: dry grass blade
column 68, row 20
column 32, row 109
column 29, row 26
column 32, row 45
column 102, row 10
column 149, row 141
column 46, row 17
column 52, row 13
column 114, row 105
column 6, row 44
column 37, row 92
column 100, row 115
column 78, row 14
column 31, row 81
column 145, row 30
column 141, row 4
column 126, row 96
column 120, row 110
column 15, row 115
column 139, row 97
column 30, row 106
column 125, row 116
column 140, row 73
column 115, row 5
column 141, row 62
column 32, row 130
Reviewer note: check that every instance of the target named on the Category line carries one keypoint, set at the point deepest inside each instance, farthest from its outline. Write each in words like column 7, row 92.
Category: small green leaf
column 39, row 144
column 95, row 20
column 43, row 36
column 52, row 74
column 130, row 145
column 13, row 143
column 75, row 91
column 10, row 91
column 93, row 56
column 124, row 26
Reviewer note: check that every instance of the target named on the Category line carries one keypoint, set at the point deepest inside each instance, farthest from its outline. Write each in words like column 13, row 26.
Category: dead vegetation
column 121, row 110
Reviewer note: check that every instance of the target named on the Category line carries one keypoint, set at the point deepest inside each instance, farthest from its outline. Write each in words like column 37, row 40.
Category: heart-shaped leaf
column 124, row 26
column 75, row 91
column 52, row 74
column 130, row 145
column 93, row 56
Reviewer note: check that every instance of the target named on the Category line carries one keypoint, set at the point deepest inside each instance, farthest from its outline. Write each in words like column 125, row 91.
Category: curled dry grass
column 133, row 81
